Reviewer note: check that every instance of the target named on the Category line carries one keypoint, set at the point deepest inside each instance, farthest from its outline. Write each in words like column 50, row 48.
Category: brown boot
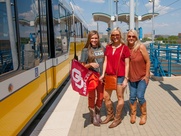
column 117, row 118
column 110, row 114
column 133, row 112
column 93, row 117
column 143, row 114
column 98, row 116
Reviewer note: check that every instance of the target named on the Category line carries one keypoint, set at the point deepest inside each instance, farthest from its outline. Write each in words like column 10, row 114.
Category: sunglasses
column 113, row 35
column 129, row 36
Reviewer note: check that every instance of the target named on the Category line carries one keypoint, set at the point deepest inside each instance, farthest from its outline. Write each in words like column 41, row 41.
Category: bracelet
column 147, row 77
column 126, row 78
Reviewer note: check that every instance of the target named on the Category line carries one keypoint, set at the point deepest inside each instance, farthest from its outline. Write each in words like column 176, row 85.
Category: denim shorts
column 120, row 80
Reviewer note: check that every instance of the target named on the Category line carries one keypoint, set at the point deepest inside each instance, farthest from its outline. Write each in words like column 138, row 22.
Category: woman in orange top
column 139, row 72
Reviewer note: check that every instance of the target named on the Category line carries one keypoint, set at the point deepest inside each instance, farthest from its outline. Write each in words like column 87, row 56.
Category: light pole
column 74, row 33
column 116, row 1
column 131, row 15
column 153, row 31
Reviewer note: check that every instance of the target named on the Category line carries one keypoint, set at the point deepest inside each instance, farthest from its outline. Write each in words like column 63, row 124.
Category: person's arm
column 147, row 61
column 88, row 65
column 84, row 58
column 104, row 68
column 126, row 68
column 125, row 82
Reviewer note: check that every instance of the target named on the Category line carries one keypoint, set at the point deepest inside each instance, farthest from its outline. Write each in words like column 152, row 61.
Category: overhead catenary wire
column 80, row 13
column 167, row 6
column 170, row 12
column 144, row 6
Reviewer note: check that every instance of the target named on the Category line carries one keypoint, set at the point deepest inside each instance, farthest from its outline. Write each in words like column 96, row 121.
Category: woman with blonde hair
column 115, row 66
column 139, row 73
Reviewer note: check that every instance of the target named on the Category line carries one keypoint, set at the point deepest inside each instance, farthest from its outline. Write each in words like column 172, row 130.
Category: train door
column 60, row 26
column 33, row 41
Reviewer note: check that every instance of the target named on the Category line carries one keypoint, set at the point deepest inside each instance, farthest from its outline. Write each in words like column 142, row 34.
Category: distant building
column 149, row 36
column 164, row 36
column 100, row 34
column 124, row 35
column 179, row 38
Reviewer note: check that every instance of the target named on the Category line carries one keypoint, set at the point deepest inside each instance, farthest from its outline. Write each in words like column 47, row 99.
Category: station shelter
column 123, row 17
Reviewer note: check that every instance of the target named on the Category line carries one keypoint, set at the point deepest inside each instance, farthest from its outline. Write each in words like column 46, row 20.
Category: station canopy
column 123, row 17
column 98, row 16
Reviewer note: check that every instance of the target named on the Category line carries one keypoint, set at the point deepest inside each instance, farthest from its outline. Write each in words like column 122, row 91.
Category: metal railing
column 165, row 59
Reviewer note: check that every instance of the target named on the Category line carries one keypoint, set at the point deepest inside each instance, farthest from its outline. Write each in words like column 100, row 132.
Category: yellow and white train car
column 38, row 40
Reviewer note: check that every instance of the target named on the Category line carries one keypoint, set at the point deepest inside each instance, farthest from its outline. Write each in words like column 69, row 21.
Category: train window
column 43, row 29
column 7, row 38
column 78, row 30
column 30, row 33
column 62, row 28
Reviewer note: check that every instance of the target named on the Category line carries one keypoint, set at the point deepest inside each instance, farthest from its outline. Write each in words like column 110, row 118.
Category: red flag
column 83, row 80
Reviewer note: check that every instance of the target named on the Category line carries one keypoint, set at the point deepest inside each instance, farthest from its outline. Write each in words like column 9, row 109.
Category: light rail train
column 38, row 40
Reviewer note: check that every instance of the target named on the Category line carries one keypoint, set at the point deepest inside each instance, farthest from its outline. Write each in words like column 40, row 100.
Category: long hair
column 121, row 36
column 88, row 43
column 137, row 43
column 91, row 57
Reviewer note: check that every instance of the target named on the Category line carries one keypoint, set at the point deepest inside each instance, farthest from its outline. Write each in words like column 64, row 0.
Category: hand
column 125, row 83
column 146, row 79
column 94, row 65
column 101, row 77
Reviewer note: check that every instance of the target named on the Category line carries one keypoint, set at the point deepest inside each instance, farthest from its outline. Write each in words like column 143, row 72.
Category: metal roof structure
column 148, row 16
column 123, row 17
column 98, row 16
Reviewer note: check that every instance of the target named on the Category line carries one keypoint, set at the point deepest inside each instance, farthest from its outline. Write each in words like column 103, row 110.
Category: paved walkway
column 70, row 116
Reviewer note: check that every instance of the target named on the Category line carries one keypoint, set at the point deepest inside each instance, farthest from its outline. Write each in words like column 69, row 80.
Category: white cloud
column 78, row 9
column 157, row 7
column 32, row 13
column 27, row 15
column 158, row 25
column 95, row 1
column 92, row 23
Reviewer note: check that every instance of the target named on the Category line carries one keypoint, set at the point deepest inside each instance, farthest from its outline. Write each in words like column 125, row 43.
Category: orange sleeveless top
column 137, row 66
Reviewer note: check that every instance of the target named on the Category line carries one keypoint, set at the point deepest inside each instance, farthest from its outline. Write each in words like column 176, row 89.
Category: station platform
column 69, row 115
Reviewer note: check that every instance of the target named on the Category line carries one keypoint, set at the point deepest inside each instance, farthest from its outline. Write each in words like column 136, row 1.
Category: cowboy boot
column 94, row 120
column 117, row 119
column 143, row 114
column 98, row 116
column 133, row 112
column 110, row 114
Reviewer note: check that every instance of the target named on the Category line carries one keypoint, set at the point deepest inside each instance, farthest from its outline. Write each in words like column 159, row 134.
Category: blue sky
column 168, row 22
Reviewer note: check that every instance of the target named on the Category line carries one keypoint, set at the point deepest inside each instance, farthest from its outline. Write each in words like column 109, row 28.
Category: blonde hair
column 137, row 43
column 121, row 36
